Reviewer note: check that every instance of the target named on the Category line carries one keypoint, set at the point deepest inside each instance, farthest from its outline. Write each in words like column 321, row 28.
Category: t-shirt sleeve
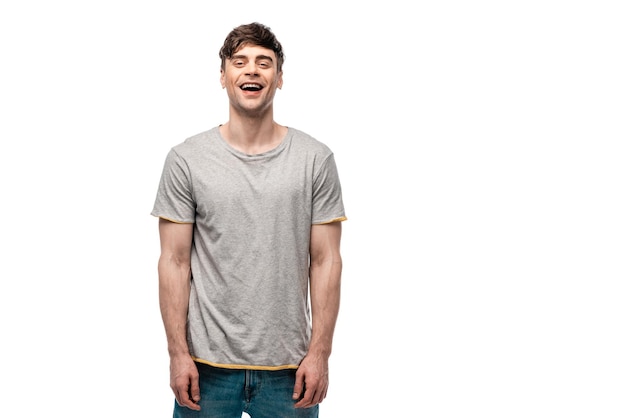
column 327, row 198
column 174, row 200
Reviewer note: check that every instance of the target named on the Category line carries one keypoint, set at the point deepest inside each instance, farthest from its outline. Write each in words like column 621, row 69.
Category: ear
column 280, row 80
column 222, row 80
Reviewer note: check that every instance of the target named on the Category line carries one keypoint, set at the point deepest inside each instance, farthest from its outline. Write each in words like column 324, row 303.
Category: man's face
column 251, row 78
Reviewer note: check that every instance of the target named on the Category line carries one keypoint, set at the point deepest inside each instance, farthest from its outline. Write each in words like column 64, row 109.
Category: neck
column 252, row 135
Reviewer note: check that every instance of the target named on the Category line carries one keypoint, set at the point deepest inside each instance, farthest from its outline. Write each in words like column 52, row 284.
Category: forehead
column 253, row 51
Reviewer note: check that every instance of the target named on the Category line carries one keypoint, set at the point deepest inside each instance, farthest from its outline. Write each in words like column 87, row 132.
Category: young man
column 250, row 219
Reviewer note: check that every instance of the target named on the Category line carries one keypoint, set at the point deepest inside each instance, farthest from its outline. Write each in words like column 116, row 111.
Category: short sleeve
column 327, row 198
column 174, row 200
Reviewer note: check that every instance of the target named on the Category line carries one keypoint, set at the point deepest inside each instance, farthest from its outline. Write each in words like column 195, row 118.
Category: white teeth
column 250, row 85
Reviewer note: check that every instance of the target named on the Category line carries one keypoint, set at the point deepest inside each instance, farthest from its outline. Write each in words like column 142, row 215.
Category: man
column 250, row 217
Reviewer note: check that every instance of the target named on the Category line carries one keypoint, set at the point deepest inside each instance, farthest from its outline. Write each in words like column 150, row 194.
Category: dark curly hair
column 251, row 34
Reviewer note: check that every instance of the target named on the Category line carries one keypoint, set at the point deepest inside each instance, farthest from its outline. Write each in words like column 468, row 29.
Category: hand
column 184, row 381
column 311, row 381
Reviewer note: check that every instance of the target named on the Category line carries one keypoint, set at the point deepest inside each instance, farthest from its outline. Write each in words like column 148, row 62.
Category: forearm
column 174, row 286
column 325, row 299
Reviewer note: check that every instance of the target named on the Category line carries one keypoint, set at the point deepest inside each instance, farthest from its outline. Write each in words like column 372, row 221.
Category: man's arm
column 174, row 286
column 325, row 277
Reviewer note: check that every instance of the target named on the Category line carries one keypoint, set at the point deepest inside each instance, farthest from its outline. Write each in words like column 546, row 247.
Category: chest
column 234, row 188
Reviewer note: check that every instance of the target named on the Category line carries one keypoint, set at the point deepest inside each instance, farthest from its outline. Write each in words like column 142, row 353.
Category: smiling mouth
column 251, row 87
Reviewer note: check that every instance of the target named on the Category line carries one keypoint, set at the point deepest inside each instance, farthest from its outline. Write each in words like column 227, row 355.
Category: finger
column 298, row 387
column 183, row 399
column 307, row 399
column 188, row 403
column 319, row 396
column 195, row 389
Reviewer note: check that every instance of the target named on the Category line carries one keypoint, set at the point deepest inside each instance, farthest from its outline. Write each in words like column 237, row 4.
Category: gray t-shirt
column 252, row 218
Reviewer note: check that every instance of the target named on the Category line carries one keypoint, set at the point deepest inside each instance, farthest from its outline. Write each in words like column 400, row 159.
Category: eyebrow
column 257, row 58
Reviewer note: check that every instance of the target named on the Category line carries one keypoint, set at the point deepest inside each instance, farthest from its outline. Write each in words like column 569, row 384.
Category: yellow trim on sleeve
column 174, row 220
column 340, row 219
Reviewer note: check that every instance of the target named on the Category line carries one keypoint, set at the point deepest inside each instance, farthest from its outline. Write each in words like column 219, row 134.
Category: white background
column 480, row 146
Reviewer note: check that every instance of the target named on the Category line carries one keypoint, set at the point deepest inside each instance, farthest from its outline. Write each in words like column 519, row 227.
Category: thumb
column 194, row 391
column 298, row 387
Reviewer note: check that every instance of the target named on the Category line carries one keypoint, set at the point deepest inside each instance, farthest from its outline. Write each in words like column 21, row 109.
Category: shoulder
column 194, row 144
column 308, row 143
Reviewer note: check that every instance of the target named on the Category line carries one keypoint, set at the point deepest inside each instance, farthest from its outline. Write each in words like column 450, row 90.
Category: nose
column 251, row 69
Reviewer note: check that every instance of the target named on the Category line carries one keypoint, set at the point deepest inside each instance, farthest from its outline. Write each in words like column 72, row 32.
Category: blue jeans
column 227, row 393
